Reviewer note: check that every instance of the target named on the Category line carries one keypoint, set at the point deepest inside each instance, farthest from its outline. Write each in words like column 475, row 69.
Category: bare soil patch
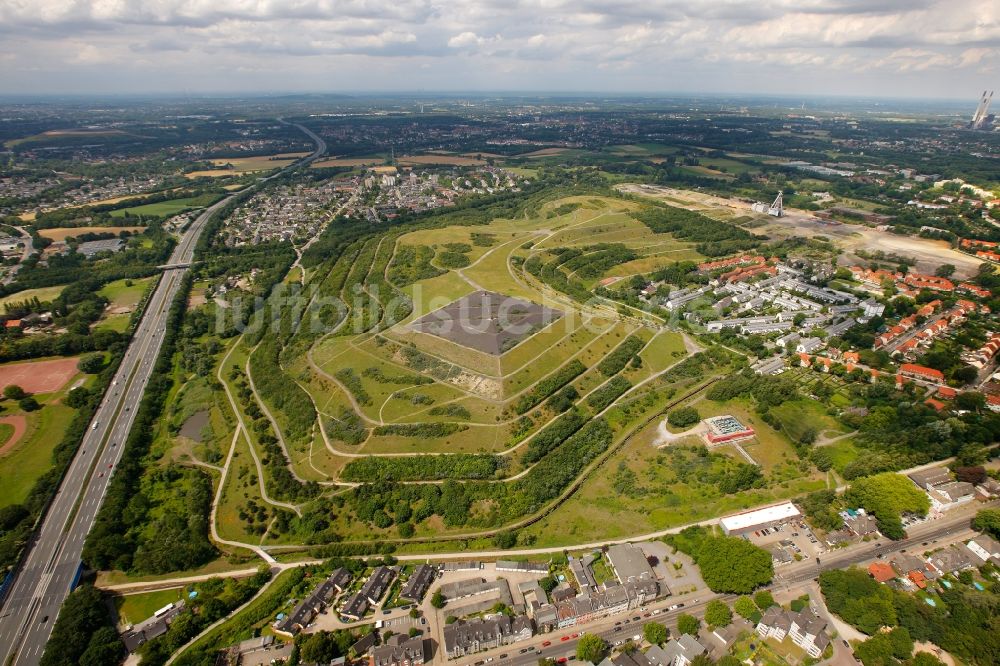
column 38, row 376
column 59, row 234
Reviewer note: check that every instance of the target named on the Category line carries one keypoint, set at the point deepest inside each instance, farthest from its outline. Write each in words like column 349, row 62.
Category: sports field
column 38, row 376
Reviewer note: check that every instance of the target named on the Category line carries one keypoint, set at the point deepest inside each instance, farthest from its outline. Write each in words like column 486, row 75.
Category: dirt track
column 20, row 424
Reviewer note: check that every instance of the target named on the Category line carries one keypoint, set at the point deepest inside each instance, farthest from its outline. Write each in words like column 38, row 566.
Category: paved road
column 795, row 577
column 29, row 249
column 50, row 568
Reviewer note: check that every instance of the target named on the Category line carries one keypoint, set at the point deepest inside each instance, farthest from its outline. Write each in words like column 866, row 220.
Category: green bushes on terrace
column 599, row 258
column 281, row 391
column 550, row 274
column 412, row 263
column 614, row 362
column 404, row 380
column 549, row 385
column 423, row 468
column 713, row 238
column 386, row 503
column 553, row 435
column 608, row 393
column 452, row 410
column 349, row 378
column 427, row 430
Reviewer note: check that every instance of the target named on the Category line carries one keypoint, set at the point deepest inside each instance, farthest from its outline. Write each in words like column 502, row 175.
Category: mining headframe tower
column 776, row 209
column 982, row 118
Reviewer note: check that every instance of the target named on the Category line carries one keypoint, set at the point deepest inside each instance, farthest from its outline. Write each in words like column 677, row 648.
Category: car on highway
column 564, row 638
column 503, row 656
column 94, row 427
column 546, row 643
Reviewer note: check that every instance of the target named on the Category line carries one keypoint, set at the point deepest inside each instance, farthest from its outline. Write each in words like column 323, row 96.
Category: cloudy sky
column 907, row 48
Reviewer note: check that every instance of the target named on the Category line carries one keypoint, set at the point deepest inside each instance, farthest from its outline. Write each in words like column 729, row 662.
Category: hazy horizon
column 896, row 49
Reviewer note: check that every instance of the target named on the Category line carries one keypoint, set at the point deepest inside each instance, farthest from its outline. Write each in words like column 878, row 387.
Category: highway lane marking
column 131, row 368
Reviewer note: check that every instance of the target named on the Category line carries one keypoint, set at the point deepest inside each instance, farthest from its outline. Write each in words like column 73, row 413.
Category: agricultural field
column 258, row 162
column 162, row 208
column 60, row 234
column 435, row 159
column 43, row 294
column 347, row 162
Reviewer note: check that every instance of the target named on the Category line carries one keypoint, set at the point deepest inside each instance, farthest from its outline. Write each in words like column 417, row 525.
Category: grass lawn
column 125, row 293
column 42, row 294
column 599, row 510
column 32, row 456
column 843, row 453
column 162, row 208
column 134, row 608
column 798, row 416
column 118, row 322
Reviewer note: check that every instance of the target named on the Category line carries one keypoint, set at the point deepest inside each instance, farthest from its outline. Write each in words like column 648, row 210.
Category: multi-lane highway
column 50, row 568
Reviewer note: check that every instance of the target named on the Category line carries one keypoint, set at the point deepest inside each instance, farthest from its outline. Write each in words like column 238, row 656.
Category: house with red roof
column 921, row 372
column 936, row 404
column 917, row 578
column 881, row 572
column 932, row 282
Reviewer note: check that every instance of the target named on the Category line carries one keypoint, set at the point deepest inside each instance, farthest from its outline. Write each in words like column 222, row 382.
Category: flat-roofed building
column 751, row 521
column 629, row 563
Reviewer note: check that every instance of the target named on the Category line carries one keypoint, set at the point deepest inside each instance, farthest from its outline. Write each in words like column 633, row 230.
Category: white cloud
column 711, row 44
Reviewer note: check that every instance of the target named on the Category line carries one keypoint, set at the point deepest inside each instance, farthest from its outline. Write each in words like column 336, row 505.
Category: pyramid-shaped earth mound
column 487, row 321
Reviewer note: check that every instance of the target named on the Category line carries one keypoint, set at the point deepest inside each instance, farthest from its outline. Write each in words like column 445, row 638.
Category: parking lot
column 794, row 537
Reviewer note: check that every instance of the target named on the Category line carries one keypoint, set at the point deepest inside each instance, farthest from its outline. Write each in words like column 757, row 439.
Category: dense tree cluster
column 858, row 599
column 888, row 496
column 83, row 633
column 424, row 468
column 552, row 435
column 963, row 621
column 422, row 430
column 683, row 417
column 727, row 564
column 712, row 238
column 281, row 391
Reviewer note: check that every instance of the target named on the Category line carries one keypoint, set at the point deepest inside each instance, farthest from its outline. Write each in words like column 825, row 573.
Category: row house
column 468, row 637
